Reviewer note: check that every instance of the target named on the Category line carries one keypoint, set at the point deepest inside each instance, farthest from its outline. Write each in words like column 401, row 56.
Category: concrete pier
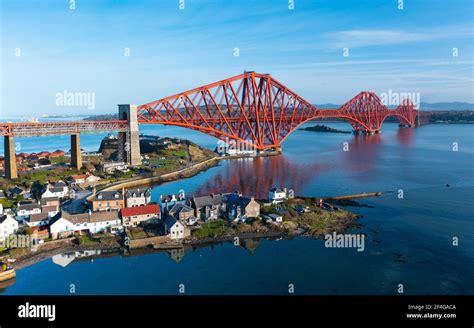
column 129, row 142
column 10, row 158
column 76, row 156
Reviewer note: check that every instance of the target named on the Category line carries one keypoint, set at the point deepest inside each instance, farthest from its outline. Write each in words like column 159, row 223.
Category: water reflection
column 363, row 154
column 405, row 136
column 255, row 176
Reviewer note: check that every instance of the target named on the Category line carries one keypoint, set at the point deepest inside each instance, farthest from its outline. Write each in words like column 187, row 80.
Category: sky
column 114, row 52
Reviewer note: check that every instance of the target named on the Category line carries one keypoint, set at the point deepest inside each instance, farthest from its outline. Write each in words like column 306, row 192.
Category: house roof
column 4, row 217
column 16, row 190
column 73, row 218
column 47, row 209
column 213, row 199
column 45, row 200
column 38, row 217
column 88, row 218
column 108, row 195
column 56, row 189
column 237, row 200
column 277, row 190
column 138, row 193
column 178, row 207
column 104, row 216
column 28, row 206
column 171, row 221
column 2, row 194
column 79, row 176
column 140, row 210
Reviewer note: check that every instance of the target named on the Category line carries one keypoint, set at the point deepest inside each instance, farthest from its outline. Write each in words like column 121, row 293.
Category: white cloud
column 372, row 37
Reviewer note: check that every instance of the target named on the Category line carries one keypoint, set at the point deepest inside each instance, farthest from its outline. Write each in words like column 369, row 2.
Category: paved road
column 75, row 205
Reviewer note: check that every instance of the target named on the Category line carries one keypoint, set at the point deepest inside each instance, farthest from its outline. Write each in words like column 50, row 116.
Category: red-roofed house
column 57, row 153
column 132, row 216
column 79, row 179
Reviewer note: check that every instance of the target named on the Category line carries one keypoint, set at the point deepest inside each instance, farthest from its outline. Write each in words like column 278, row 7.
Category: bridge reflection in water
column 255, row 176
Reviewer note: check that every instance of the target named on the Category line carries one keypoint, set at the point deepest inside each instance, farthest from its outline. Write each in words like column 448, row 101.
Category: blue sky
column 172, row 50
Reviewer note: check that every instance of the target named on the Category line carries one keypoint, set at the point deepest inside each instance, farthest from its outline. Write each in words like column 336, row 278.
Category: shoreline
column 183, row 173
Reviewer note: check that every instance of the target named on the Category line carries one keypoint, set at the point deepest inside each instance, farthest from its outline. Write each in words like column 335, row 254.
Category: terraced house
column 107, row 200
column 137, row 197
column 133, row 216
column 65, row 224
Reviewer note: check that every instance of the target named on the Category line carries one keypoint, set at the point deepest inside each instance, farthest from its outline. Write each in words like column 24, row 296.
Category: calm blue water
column 409, row 240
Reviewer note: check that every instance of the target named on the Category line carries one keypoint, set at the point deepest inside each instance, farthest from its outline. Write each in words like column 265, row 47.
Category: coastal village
column 105, row 206
column 121, row 211
column 130, row 218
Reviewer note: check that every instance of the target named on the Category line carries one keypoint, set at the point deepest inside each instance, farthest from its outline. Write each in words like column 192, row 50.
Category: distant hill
column 447, row 106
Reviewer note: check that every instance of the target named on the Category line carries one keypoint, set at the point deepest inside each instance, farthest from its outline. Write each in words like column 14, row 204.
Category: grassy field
column 86, row 240
column 211, row 229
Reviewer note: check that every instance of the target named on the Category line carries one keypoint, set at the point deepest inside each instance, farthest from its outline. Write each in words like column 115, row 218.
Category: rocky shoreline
column 315, row 223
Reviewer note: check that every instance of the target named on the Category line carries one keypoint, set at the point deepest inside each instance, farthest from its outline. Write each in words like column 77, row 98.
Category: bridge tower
column 129, row 141
column 76, row 156
column 10, row 158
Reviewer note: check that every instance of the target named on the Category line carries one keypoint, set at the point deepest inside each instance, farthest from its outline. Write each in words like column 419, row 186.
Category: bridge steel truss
column 30, row 129
column 258, row 110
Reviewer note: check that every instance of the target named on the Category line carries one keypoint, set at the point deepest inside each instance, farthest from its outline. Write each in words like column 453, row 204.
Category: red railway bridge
column 250, row 108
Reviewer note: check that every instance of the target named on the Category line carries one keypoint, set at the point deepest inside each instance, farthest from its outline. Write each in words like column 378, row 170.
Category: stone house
column 209, row 208
column 181, row 212
column 240, row 207
column 176, row 229
column 107, row 200
column 137, row 197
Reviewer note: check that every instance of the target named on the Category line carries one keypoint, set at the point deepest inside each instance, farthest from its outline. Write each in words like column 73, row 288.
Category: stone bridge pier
column 129, row 141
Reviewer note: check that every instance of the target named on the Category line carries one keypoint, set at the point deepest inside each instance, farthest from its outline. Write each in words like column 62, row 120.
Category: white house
column 83, row 179
column 38, row 220
column 25, row 210
column 276, row 218
column 175, row 229
column 66, row 224
column 278, row 195
column 8, row 226
column 59, row 189
column 137, row 197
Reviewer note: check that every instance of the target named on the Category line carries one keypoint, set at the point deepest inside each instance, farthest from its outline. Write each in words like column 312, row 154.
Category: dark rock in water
column 323, row 128
column 348, row 202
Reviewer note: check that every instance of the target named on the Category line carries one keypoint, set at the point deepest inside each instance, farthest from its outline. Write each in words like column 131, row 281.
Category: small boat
column 7, row 272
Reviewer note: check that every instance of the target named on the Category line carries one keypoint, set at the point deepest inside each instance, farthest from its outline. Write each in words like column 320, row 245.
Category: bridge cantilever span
column 258, row 110
column 250, row 108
